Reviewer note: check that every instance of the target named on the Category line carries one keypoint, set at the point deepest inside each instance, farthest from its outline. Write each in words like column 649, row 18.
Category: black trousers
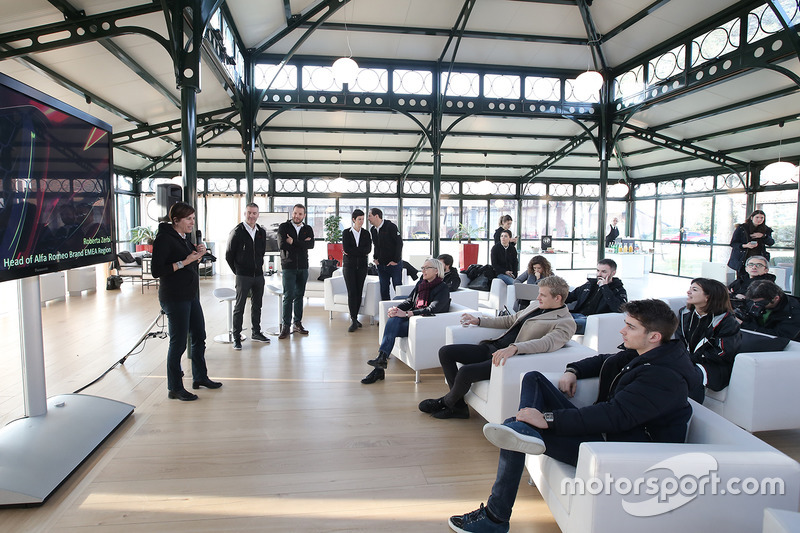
column 245, row 286
column 354, row 274
column 477, row 361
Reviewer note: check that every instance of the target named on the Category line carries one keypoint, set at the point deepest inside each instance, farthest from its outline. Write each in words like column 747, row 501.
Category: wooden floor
column 291, row 442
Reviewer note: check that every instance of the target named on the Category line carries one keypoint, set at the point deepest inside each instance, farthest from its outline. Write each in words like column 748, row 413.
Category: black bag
column 481, row 283
column 113, row 283
column 372, row 269
column 329, row 266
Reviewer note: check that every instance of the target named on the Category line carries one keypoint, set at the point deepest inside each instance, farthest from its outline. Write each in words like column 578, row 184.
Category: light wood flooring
column 291, row 442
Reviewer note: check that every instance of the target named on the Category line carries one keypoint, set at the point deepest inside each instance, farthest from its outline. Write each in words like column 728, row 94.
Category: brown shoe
column 298, row 328
column 284, row 332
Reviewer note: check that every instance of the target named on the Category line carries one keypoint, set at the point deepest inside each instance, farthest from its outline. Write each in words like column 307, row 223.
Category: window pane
column 692, row 258
column 729, row 210
column 449, row 216
column 346, row 208
column 533, row 219
column 416, row 218
column 125, row 212
column 475, row 216
column 388, row 206
column 283, row 204
column 781, row 210
column 586, row 220
column 669, row 222
column 665, row 260
column 560, row 219
column 643, row 219
column 697, row 220
column 498, row 208
column 585, row 255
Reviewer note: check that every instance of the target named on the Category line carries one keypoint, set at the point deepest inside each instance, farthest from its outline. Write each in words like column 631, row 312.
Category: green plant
column 465, row 231
column 142, row 235
column 333, row 230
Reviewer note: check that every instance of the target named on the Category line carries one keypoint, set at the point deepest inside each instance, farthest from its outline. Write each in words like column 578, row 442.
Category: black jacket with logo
column 387, row 243
column 612, row 297
column 717, row 349
column 244, row 254
column 295, row 255
column 169, row 248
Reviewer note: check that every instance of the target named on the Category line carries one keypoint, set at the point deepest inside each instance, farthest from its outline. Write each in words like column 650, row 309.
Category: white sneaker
column 506, row 438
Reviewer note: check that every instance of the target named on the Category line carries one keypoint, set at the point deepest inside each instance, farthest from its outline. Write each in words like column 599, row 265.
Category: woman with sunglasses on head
column 710, row 331
column 430, row 296
column 750, row 238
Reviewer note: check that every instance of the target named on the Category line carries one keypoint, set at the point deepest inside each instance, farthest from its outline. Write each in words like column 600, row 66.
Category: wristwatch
column 548, row 417
column 180, row 264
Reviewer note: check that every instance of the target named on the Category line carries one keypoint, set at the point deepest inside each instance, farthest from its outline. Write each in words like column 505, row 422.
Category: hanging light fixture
column 484, row 187
column 779, row 170
column 345, row 69
column 590, row 81
column 338, row 185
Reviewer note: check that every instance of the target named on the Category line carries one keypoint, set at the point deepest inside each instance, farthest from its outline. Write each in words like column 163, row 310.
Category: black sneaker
column 432, row 405
column 452, row 412
column 258, row 336
column 237, row 344
column 477, row 521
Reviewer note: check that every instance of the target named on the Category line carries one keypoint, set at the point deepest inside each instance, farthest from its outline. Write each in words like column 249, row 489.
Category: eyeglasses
column 424, row 268
column 759, row 265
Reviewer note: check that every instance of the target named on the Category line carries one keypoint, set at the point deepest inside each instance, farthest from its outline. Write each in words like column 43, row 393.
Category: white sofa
column 426, row 334
column 602, row 333
column 466, row 297
column 497, row 398
column 714, row 447
column 763, row 393
column 493, row 300
column 335, row 294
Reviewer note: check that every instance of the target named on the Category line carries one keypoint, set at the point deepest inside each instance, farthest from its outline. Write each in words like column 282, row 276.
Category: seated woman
column 538, row 268
column 710, row 331
column 504, row 259
column 429, row 297
column 757, row 268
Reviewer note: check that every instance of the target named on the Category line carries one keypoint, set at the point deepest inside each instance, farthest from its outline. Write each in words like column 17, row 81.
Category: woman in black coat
column 356, row 244
column 750, row 238
column 710, row 331
column 175, row 261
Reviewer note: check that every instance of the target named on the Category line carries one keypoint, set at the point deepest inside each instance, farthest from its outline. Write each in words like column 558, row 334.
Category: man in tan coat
column 541, row 328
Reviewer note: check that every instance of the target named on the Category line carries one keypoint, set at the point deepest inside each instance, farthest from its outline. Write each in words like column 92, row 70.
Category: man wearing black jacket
column 388, row 251
column 295, row 239
column 769, row 310
column 601, row 294
column 643, row 397
column 247, row 245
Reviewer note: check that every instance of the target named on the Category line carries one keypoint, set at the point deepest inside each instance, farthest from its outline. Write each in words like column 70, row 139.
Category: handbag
column 329, row 266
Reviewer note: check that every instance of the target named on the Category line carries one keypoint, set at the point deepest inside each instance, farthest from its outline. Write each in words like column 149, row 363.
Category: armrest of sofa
column 602, row 332
column 331, row 287
column 459, row 334
column 497, row 294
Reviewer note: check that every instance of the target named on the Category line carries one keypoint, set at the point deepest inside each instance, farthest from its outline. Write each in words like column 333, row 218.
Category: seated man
column 757, row 268
column 451, row 277
column 541, row 328
column 643, row 397
column 767, row 309
column 601, row 294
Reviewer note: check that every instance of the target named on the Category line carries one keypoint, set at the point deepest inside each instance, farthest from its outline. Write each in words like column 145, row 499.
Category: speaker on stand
column 167, row 195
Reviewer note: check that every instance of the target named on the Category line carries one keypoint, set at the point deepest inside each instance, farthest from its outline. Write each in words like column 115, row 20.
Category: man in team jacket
column 388, row 251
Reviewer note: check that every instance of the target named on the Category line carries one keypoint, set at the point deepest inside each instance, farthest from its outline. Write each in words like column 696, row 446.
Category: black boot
column 376, row 375
column 353, row 326
column 381, row 361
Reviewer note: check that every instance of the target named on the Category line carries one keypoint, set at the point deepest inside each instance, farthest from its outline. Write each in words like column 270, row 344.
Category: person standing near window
column 504, row 225
column 295, row 240
column 750, row 238
column 388, row 256
column 356, row 244
column 504, row 259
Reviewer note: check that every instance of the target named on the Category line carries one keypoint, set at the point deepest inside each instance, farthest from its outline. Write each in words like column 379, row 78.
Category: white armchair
column 497, row 398
column 492, row 301
column 335, row 294
column 426, row 334
column 466, row 297
column 714, row 448
column 763, row 394
column 602, row 333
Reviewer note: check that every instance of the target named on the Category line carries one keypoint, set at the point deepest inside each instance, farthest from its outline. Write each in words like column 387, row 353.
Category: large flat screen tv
column 57, row 203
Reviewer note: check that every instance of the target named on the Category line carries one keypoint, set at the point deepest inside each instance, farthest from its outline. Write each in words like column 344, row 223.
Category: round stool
column 226, row 294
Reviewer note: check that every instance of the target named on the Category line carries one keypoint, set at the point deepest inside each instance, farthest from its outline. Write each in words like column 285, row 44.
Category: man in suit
column 295, row 240
column 388, row 251
column 539, row 328
column 247, row 245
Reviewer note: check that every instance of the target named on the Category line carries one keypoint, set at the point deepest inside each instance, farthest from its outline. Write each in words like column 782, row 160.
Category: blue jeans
column 294, row 289
column 580, row 322
column 185, row 318
column 386, row 273
column 508, row 280
column 537, row 392
column 397, row 326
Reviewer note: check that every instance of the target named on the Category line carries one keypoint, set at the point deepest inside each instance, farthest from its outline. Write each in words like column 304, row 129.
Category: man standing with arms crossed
column 295, row 239
column 388, row 251
column 247, row 245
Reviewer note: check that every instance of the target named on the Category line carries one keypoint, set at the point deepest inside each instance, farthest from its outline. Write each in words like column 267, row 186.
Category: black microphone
column 199, row 235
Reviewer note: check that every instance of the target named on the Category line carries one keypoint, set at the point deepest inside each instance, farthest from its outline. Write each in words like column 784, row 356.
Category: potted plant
column 143, row 238
column 469, row 252
column 333, row 234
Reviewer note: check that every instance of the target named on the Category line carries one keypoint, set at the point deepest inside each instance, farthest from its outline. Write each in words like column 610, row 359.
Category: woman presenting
column 175, row 261
column 356, row 244
column 750, row 238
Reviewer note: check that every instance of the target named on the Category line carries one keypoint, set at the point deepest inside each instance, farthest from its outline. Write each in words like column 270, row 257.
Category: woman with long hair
column 709, row 330
column 750, row 238
column 430, row 296
column 538, row 268
column 175, row 263
column 504, row 225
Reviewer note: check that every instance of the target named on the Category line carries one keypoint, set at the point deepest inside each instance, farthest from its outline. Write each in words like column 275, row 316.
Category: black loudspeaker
column 167, row 195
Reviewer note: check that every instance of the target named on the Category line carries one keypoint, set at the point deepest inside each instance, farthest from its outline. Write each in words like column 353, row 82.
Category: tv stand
column 39, row 451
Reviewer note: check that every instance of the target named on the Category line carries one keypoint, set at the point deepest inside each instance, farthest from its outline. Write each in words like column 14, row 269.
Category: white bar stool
column 226, row 294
